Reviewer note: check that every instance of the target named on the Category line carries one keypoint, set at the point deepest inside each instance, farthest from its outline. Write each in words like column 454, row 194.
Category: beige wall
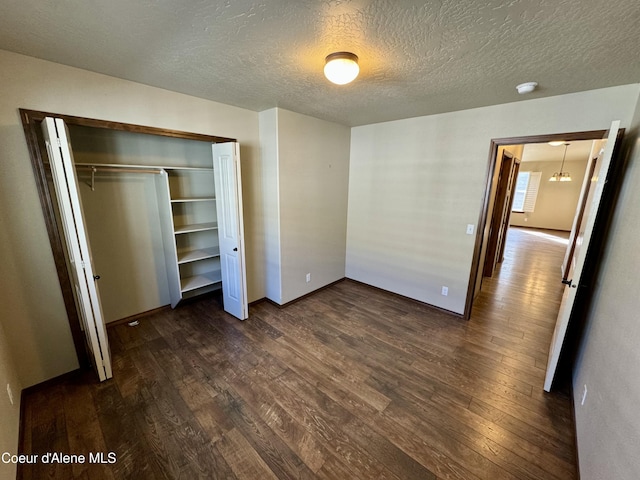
column 557, row 201
column 9, row 414
column 37, row 331
column 309, row 165
column 271, row 201
column 608, row 424
column 415, row 184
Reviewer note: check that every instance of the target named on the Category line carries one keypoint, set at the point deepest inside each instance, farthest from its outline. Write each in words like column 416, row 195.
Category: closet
column 138, row 218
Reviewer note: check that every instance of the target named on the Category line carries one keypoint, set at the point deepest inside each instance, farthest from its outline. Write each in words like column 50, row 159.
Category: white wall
column 311, row 160
column 557, row 201
column 608, row 424
column 37, row 331
column 415, row 184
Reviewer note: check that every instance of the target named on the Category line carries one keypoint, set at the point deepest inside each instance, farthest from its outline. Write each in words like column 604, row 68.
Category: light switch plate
column 470, row 229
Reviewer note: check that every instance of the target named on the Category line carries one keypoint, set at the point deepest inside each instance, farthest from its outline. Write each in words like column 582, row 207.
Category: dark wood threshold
column 540, row 228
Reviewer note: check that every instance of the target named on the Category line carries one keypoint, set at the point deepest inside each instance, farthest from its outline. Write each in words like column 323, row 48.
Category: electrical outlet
column 445, row 290
column 308, row 277
column 584, row 395
column 10, row 393
column 470, row 229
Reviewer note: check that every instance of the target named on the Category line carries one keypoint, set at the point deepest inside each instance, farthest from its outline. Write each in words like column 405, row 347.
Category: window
column 526, row 192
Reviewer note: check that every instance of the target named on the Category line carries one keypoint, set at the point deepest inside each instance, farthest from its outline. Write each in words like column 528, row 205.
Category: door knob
column 96, row 277
column 235, row 249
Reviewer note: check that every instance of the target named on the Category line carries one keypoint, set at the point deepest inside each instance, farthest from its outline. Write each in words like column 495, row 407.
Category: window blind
column 532, row 192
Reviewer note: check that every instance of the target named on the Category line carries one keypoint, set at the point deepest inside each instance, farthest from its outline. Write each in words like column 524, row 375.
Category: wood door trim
column 37, row 116
column 491, row 164
column 30, row 121
column 497, row 213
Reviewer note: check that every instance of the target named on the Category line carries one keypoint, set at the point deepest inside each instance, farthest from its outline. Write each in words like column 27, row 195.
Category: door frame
column 496, row 236
column 31, row 120
column 488, row 191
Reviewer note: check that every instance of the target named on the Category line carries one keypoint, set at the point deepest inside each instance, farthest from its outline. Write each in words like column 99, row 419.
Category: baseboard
column 419, row 302
column 137, row 316
column 291, row 302
column 575, row 428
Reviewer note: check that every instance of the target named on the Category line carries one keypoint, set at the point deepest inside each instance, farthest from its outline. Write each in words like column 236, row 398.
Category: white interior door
column 226, row 167
column 77, row 243
column 583, row 238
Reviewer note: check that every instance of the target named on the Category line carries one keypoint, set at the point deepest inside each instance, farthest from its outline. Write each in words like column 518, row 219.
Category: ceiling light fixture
column 341, row 67
column 562, row 176
column 556, row 143
column 526, row 87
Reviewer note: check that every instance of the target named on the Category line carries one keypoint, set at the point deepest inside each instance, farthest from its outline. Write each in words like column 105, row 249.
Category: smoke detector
column 526, row 87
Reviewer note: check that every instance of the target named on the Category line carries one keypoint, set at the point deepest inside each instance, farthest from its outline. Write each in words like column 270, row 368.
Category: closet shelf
column 193, row 199
column 198, row 281
column 195, row 227
column 195, row 255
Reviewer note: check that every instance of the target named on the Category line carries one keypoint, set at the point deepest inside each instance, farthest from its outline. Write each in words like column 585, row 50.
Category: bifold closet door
column 226, row 166
column 77, row 244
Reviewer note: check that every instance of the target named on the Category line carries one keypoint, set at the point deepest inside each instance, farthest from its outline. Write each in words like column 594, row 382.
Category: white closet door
column 226, row 166
column 77, row 243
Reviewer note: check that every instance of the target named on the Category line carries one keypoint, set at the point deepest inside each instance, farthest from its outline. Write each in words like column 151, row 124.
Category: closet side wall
column 313, row 179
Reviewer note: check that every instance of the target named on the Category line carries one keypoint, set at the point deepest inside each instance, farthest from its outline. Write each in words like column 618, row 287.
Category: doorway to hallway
column 523, row 296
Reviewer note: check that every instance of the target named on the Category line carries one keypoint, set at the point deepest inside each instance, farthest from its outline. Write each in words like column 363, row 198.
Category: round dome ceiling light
column 526, row 87
column 341, row 67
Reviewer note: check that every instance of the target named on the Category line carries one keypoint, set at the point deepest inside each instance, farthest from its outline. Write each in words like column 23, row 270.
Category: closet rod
column 94, row 169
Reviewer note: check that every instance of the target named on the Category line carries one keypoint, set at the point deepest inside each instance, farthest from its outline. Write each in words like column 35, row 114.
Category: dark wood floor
column 348, row 383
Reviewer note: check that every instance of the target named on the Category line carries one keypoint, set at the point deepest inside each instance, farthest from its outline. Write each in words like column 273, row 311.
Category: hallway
column 523, row 296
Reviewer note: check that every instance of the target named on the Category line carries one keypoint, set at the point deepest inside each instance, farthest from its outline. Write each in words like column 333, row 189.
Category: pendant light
column 341, row 67
column 562, row 176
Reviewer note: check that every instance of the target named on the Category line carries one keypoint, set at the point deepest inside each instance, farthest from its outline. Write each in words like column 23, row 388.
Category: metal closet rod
column 98, row 168
column 115, row 169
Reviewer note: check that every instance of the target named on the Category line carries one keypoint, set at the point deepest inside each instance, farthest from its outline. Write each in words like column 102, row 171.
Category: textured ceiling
column 416, row 57
column 542, row 152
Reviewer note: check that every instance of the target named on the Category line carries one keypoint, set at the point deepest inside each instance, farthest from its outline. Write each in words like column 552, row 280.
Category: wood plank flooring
column 348, row 383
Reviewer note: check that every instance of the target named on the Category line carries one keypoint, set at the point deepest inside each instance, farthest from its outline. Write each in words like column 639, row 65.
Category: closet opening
column 138, row 218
